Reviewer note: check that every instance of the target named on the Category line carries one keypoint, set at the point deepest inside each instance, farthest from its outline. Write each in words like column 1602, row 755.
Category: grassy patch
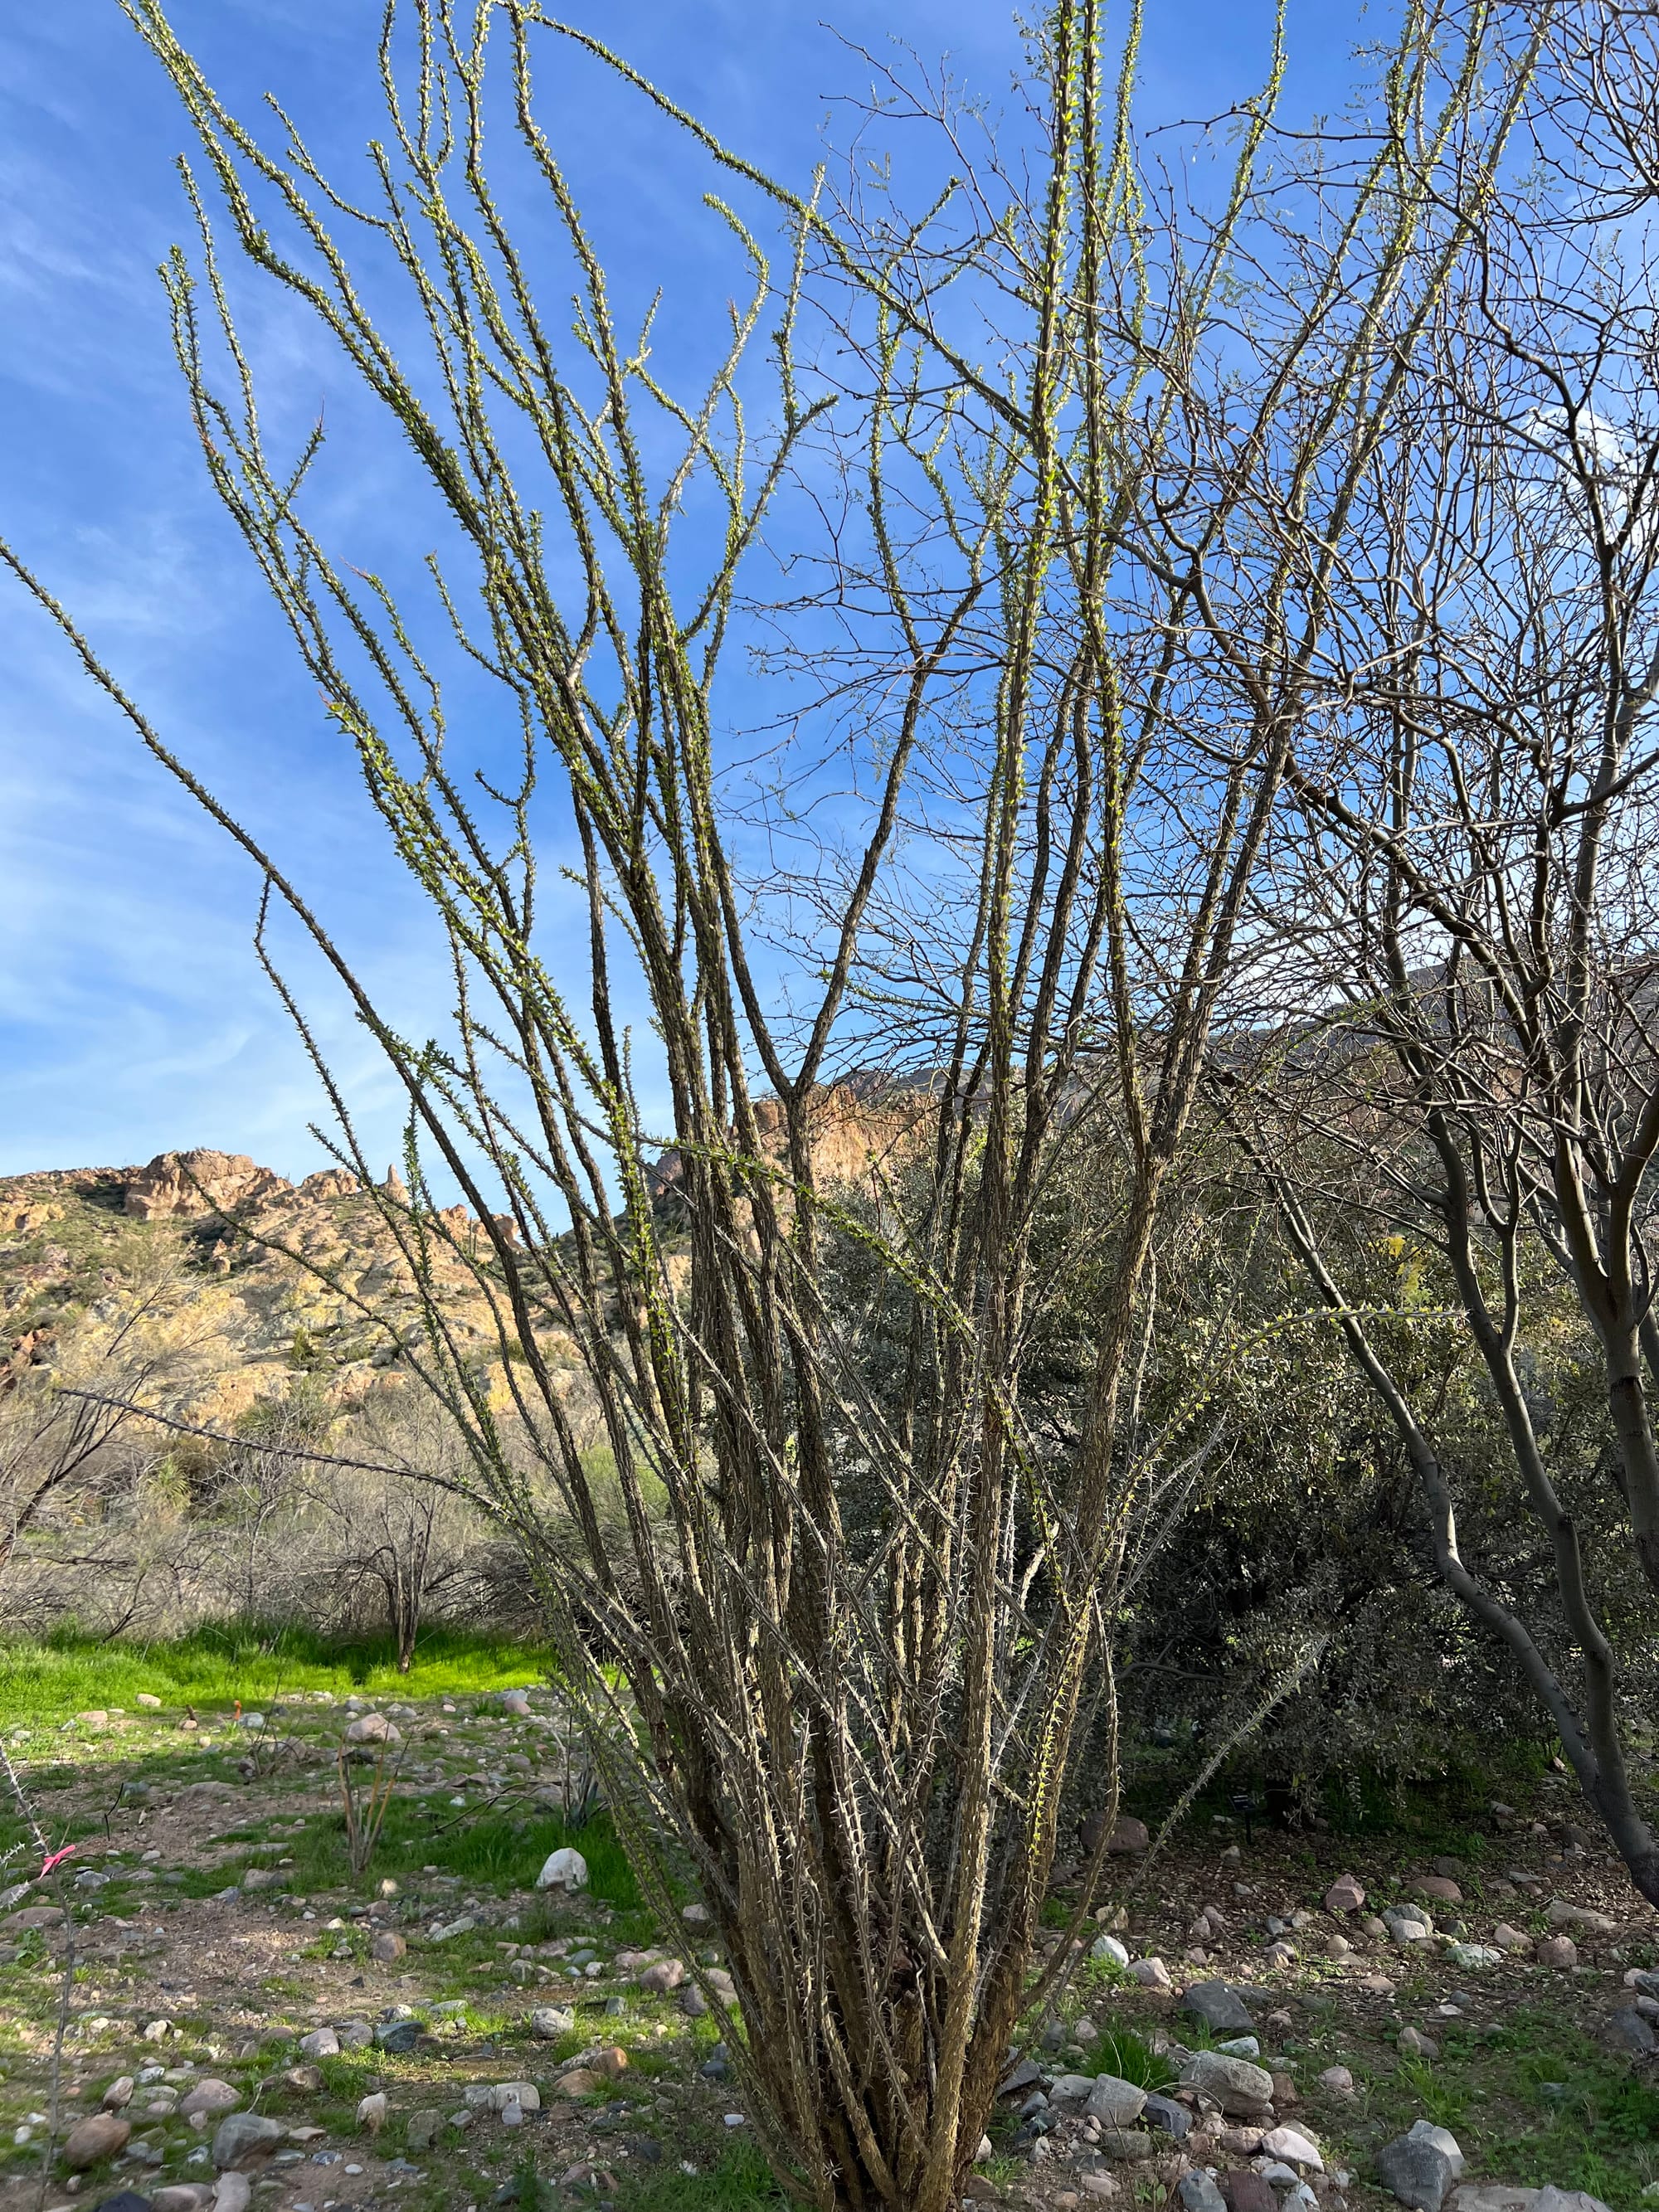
column 492, row 1850
column 1122, row 2051
column 1533, row 2100
column 218, row 1665
column 738, row 2181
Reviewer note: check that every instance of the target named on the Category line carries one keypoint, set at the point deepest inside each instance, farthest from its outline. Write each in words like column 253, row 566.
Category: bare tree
column 1075, row 459
column 1472, row 1056
column 409, row 1534
column 61, row 1418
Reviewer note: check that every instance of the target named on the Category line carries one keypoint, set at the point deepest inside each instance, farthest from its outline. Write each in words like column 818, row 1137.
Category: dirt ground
column 216, row 1925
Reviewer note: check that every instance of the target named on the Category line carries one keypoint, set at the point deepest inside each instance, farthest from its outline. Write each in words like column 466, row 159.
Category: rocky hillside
column 239, row 1312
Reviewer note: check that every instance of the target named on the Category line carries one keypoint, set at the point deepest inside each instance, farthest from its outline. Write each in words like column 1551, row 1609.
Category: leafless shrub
column 1070, row 549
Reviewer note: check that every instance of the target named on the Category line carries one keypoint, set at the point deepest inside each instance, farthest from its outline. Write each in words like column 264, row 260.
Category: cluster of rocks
column 1219, row 2132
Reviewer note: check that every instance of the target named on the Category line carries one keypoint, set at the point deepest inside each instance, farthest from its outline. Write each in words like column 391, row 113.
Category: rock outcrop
column 197, row 1183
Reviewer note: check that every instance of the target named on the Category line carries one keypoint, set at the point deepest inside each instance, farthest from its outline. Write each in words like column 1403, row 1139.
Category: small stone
column 549, row 2022
column 1241, row 2142
column 232, row 2193
column 1626, row 2030
column 245, row 2135
column 1439, row 1888
column 374, row 1728
column 1336, row 1946
column 1443, row 2141
column 1245, row 2192
column 1286, row 2093
column 1070, row 2088
column 1239, row 2088
column 180, row 2196
column 398, row 2035
column 210, row 2098
column 667, row 1974
column 387, row 1947
column 579, row 2082
column 1128, row 1835
column 149, row 1700
column 565, row 1869
column 1199, row 2193
column 118, row 2093
column 423, row 2130
column 1417, row 2045
column 693, row 2003
column 1114, row 2102
column 1505, row 1938
column 1338, row 2081
column 1294, row 2146
column 1418, row 2173
column 1345, row 1894
column 321, row 2043
column 91, row 2140
column 1108, row 1947
column 1129, row 2145
column 1170, row 2117
column 1150, row 1973
column 1219, row 2008
column 1561, row 1914
column 1559, row 1952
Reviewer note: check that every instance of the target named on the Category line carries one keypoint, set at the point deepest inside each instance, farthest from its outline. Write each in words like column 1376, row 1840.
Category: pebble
column 209, row 2098
column 1235, row 2084
column 1294, row 2146
column 1443, row 2141
column 1198, row 2192
column 374, row 1728
column 90, row 2141
column 1114, row 2102
column 240, row 2135
column 565, row 1869
column 1415, row 2171
column 1221, row 2009
column 1150, row 1973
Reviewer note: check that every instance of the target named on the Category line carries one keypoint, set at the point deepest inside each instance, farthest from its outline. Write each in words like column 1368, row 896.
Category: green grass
column 738, row 2181
column 493, row 1850
column 216, row 1666
column 1121, row 2052
column 1536, row 2100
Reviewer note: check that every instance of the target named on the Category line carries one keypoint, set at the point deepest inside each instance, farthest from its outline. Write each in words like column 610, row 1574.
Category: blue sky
column 133, row 1017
